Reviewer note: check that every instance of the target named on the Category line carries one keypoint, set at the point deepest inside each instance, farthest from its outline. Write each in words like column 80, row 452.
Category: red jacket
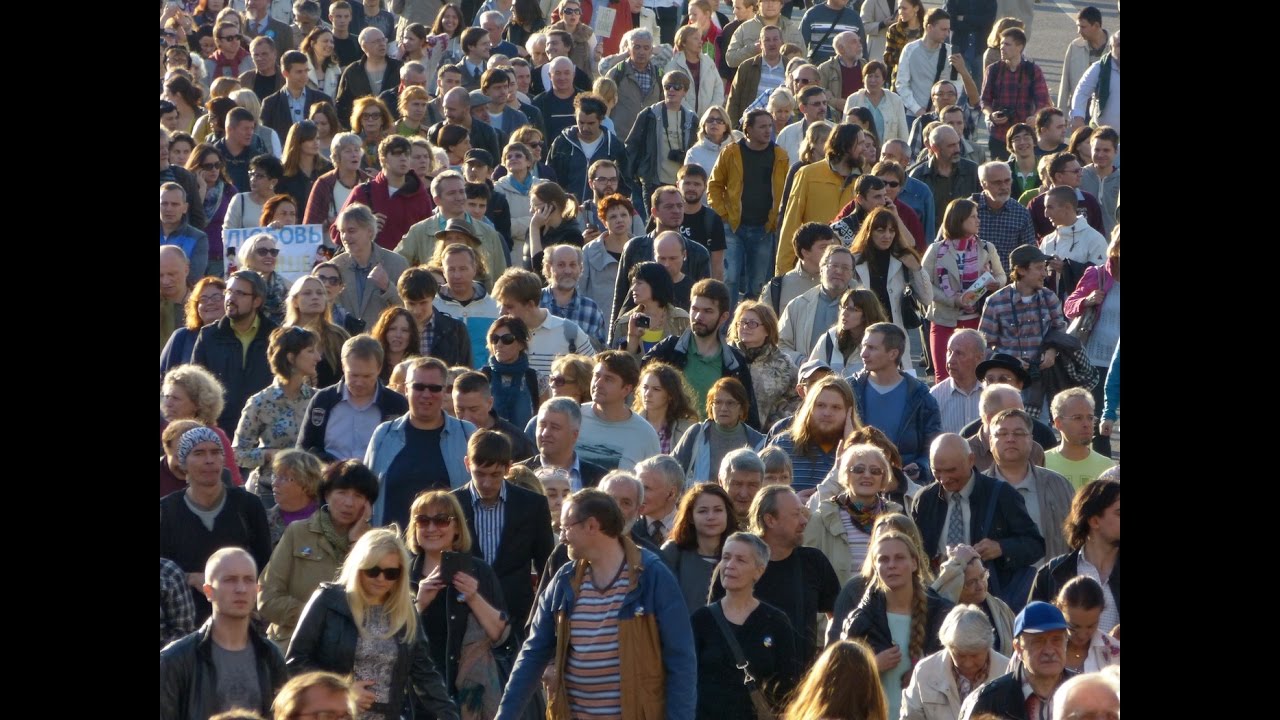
column 411, row 204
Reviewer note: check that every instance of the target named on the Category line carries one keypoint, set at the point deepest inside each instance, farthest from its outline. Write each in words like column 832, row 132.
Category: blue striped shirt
column 488, row 522
column 809, row 470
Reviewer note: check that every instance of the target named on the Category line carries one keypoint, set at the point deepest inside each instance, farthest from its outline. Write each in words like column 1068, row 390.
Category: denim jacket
column 388, row 441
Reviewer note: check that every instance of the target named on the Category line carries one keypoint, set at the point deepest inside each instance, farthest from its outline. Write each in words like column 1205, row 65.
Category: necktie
column 955, row 525
column 656, row 532
column 1037, row 708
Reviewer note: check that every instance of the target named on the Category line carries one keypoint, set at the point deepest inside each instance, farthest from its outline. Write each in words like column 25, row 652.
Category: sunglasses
column 441, row 520
column 571, row 11
column 211, row 166
column 561, row 381
column 892, row 183
column 329, row 279
column 228, row 38
column 672, row 87
column 263, row 252
column 424, row 387
column 803, row 81
column 391, row 574
column 505, row 339
column 535, row 144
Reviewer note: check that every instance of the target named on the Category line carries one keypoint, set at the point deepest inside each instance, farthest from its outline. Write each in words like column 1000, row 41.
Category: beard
column 827, row 436
column 566, row 283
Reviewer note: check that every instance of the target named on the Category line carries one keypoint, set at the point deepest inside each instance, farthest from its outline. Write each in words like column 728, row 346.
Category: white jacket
column 932, row 693
column 519, row 202
column 897, row 285
column 1074, row 64
column 705, row 152
column 891, row 108
column 710, row 87
column 1080, row 242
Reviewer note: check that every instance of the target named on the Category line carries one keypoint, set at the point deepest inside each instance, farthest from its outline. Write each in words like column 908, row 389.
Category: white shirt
column 1030, row 491
column 548, row 342
column 791, row 137
column 1110, row 616
column 957, row 407
column 965, row 493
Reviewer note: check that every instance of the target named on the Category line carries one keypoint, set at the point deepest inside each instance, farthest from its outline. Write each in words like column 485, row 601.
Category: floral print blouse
column 270, row 421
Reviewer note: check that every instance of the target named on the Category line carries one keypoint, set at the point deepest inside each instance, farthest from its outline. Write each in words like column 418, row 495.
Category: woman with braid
column 898, row 616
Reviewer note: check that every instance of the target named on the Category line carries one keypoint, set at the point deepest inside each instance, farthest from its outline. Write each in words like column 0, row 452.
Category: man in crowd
column 562, row 266
column 808, row 317
column 1012, row 91
column 449, row 191
column 476, row 47
column 173, row 290
column 238, row 146
column 824, row 20
column 745, row 42
column 396, row 195
column 463, row 297
column 292, row 103
column 557, row 103
column 639, row 80
column 668, row 215
column 869, row 193
column 815, row 431
column 473, row 402
column 996, row 398
column 559, row 44
column 559, row 423
column 443, row 336
column 914, row 193
column 368, row 76
column 1003, row 222
column 809, row 245
column 1073, row 414
column 948, row 175
column 1002, row 369
column 613, row 436
column 919, row 64
column 1083, row 51
column 841, row 76
column 741, row 475
column 1073, row 245
column 757, row 77
column 264, row 79
column 519, row 294
column 957, row 396
column 258, row 22
column 341, row 418
column 1040, row 632
column 1097, row 96
column 1051, row 131
column 183, row 177
column 457, row 106
column 813, row 108
column 578, row 148
column 345, row 45
column 1064, row 171
column 1092, row 695
column 604, row 180
column 663, row 481
column 1101, row 178
column 661, row 135
column 1047, row 495
column 176, row 231
column 496, row 84
column 234, row 349
column 701, row 224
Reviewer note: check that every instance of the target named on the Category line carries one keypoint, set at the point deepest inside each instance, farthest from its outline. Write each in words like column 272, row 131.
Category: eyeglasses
column 749, row 324
column 1078, row 418
column 725, row 404
column 330, row 279
column 892, row 183
column 259, row 176
column 564, row 527
column 228, row 38
column 505, row 339
column 391, row 574
column 536, row 144
column 803, row 81
column 873, row 470
column 210, row 298
column 672, row 87
column 715, row 120
column 561, row 381
column 263, row 252
column 238, row 293
column 839, row 266
column 424, row 387
column 1093, row 715
column 441, row 520
column 371, row 116
column 170, row 33
column 571, row 11
column 211, row 166
column 1006, row 434
column 600, row 179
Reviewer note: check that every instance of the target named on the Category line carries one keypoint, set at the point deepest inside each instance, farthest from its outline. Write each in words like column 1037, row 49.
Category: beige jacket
column 945, row 309
column 742, row 46
column 933, row 695
column 825, row 532
column 303, row 559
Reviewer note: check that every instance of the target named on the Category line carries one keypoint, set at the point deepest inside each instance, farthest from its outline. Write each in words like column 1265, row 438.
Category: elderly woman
column 189, row 392
column 265, row 172
column 369, row 271
column 888, row 113
column 260, row 254
column 311, row 551
column 330, row 190
column 754, row 331
column 365, row 625
column 295, row 484
column 516, row 186
column 468, row 619
column 571, row 377
column 204, row 306
column 704, row 520
column 941, row 681
column 740, row 628
column 963, row 579
column 842, row 526
column 271, row 418
column 703, row 446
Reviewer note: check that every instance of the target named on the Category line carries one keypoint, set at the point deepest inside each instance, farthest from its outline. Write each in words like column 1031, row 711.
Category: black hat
column 1025, row 255
column 484, row 157
column 1008, row 362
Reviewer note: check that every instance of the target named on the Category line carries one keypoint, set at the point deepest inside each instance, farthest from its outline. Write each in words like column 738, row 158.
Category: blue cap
column 1038, row 617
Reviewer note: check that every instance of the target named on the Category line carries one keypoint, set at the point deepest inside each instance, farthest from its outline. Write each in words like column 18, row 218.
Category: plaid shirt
column 1018, row 328
column 1023, row 91
column 896, row 38
column 177, row 611
column 581, row 310
column 429, row 335
column 646, row 78
column 1007, row 228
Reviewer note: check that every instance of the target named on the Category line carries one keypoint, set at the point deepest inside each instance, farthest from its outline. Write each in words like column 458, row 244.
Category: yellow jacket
column 817, row 195
column 724, row 190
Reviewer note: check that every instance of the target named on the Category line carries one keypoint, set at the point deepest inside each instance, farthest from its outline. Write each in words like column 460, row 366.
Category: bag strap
column 763, row 711
column 775, row 292
column 570, row 334
column 831, row 29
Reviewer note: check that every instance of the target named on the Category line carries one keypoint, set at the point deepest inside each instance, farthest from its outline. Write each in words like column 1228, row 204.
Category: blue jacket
column 196, row 246
column 921, row 423
column 653, row 613
column 388, row 441
column 571, row 163
column 919, row 197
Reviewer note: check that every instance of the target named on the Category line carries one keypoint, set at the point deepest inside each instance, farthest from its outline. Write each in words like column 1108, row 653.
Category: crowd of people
column 694, row 360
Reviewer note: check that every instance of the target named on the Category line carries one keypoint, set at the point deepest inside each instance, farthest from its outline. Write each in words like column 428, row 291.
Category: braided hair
column 920, row 603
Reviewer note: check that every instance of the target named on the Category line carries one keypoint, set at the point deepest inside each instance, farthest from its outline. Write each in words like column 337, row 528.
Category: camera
column 676, row 156
column 642, row 321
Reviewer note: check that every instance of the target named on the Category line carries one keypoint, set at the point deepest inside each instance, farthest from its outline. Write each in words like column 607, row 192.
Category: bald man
column 1095, row 694
column 371, row 75
column 457, row 111
column 962, row 505
column 173, row 290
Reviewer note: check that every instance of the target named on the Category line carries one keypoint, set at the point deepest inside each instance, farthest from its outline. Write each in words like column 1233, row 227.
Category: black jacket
column 195, row 209
column 571, row 163
column 354, row 83
column 581, row 81
column 521, row 445
column 1039, row 432
column 591, row 473
column 1011, row 526
column 1055, row 573
column 189, row 682
column 869, row 621
column 277, row 116
column 675, row 351
column 241, row 374
column 458, row 612
column 483, row 136
column 451, row 342
column 526, row 536
column 326, row 637
column 311, row 437
column 1002, row 697
column 697, row 265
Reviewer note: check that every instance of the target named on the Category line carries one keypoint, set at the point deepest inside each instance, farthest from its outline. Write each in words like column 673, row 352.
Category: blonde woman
column 782, row 106
column 856, row 697
column 365, row 625
column 842, row 526
column 260, row 254
column 714, row 134
column 853, row 590
column 707, row 89
column 307, row 305
column 190, row 392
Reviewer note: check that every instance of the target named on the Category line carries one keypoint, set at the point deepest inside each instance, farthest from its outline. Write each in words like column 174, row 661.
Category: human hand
column 968, row 299
column 381, row 219
column 1048, row 358
column 196, row 580
column 956, row 60
column 1055, row 264
column 634, row 331
column 364, row 694
column 429, row 588
column 361, row 526
column 963, row 553
column 379, row 277
column 1095, row 298
column 1105, row 428
column 887, row 660
column 467, row 586
column 992, row 285
column 988, row 549
column 804, row 495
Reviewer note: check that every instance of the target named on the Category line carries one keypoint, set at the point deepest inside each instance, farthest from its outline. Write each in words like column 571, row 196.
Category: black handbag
column 911, row 308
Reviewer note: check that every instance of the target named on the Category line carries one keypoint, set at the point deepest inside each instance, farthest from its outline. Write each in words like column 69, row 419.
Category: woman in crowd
column 777, row 466
column 1018, row 316
column 704, row 445
column 1089, row 648
column 571, row 377
column 940, row 682
column 576, row 23
column 782, row 106
column 526, row 20
column 754, row 332
column 323, row 69
column 456, row 142
column 308, row 307
column 953, row 264
column 852, row 591
column 909, row 26
column 1021, row 142
column 551, row 222
column 889, row 115
column 181, row 145
column 279, row 211
column 761, row 633
column 189, row 392
column 246, row 99
column 704, row 520
column 1081, row 146
column 400, row 338
column 265, row 172
column 665, row 400
column 303, row 164
column 414, row 122
column 963, row 579
column 858, row 695
column 449, row 23
column 1098, row 292
column 464, row 614
column 204, row 306
column 365, row 625
column 330, row 190
column 327, row 125
column 517, row 187
column 655, row 315
column 185, row 96
column 295, row 487
column 312, row 551
column 714, row 134
column 272, row 417
column 531, row 136
column 898, row 617
column 886, row 262
column 841, row 347
column 173, row 477
column 707, row 90
column 372, row 121
column 517, row 389
column 216, row 193
column 842, row 526
column 600, row 257
column 260, row 254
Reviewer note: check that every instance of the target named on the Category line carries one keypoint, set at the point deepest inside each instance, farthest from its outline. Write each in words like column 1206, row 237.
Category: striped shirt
column 488, row 522
column 592, row 673
column 807, row 470
column 858, row 540
column 957, row 407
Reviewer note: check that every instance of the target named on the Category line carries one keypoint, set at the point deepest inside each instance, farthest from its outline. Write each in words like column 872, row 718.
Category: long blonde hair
column 331, row 335
column 919, row 602
column 368, row 550
column 857, row 696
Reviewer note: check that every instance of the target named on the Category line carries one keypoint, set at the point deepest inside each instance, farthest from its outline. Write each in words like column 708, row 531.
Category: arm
column 1077, row 301
column 929, row 268
column 259, row 533
column 301, row 655
column 1067, row 83
column 970, row 87
column 538, row 650
column 246, row 444
column 791, row 219
column 1111, row 390
column 1084, row 91
column 275, row 604
column 903, row 84
column 1041, row 89
column 199, row 259
column 231, row 221
column 678, row 658
column 742, row 47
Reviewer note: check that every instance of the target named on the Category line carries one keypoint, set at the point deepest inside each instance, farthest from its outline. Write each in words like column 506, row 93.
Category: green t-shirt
column 1081, row 472
column 702, row 373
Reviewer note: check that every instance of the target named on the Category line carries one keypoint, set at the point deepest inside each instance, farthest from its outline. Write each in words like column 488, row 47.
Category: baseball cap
column 478, row 155
column 1038, row 617
column 812, row 366
column 1025, row 255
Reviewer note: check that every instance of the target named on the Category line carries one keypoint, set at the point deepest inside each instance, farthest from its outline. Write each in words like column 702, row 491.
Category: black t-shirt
column 264, row 86
column 557, row 113
column 757, row 184
column 695, row 228
column 684, row 290
column 419, row 466
column 348, row 50
column 808, row 570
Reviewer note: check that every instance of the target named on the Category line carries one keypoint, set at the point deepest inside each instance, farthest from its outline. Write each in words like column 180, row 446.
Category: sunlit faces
column 742, row 486
column 710, row 516
column 233, row 587
column 176, row 403
column 705, row 316
column 788, row 524
column 974, row 590
column 304, row 361
column 555, row 434
column 618, row 220
column 607, row 387
column 360, row 375
column 740, row 566
column 204, row 464
column 894, row 563
column 864, row 475
column 426, row 394
column 1076, row 421
column 1043, row 653
column 378, row 589
column 829, row 413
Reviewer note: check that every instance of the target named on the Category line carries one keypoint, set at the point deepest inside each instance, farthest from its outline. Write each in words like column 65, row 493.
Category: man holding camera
column 662, row 134
column 1013, row 90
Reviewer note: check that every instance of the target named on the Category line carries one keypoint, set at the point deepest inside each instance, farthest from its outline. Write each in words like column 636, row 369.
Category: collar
column 772, row 68
column 253, row 329
column 967, row 491
column 952, row 387
column 346, row 397
column 549, row 295
column 475, row 494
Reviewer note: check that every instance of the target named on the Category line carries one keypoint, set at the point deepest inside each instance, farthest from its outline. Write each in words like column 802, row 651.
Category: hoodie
column 570, row 162
column 477, row 314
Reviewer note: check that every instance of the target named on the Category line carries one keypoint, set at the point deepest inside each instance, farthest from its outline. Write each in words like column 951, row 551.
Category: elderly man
column 173, row 290
column 341, row 418
column 963, row 505
column 757, row 76
column 639, row 81
column 1004, row 222
column 941, row 682
column 1027, row 692
column 957, row 396
column 265, row 78
column 663, row 481
column 948, row 175
column 841, row 76
column 457, row 106
column 559, row 44
column 995, row 398
column 808, row 317
column 556, row 104
column 562, row 266
column 175, row 230
column 821, row 21
column 1095, row 695
column 1002, row 369
column 370, row 76
column 1046, row 493
column 741, row 474
column 558, row 425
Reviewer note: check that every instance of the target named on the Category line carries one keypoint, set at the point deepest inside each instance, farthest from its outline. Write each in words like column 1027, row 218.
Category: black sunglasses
column 561, row 381
column 442, row 520
column 263, row 252
column 228, row 38
column 211, row 166
column 892, row 183
column 392, row 574
column 672, row 87
column 330, row 279
column 505, row 339
column 424, row 387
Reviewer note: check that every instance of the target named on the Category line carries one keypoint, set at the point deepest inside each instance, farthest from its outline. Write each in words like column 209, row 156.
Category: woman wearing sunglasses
column 365, row 625
column 463, row 613
column 216, row 191
column 260, row 254
column 517, row 389
column 246, row 208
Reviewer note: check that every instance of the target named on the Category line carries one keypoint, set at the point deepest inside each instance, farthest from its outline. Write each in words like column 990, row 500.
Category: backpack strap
column 775, row 294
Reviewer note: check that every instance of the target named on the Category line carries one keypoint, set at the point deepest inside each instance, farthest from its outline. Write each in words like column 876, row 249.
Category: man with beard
column 234, row 349
column 701, row 353
column 815, row 431
column 701, row 224
column 1003, row 223
column 562, row 266
column 819, row 190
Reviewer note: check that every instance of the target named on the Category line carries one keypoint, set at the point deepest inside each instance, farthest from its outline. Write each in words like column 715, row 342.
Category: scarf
column 340, row 542
column 221, row 62
column 213, row 198
column 522, row 187
column 479, row 680
column 966, row 686
column 863, row 517
column 510, row 391
column 753, row 354
column 878, row 269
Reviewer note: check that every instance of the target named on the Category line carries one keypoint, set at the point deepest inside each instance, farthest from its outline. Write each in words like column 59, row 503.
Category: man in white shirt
column 612, row 436
column 663, row 481
column 519, row 294
column 958, row 395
